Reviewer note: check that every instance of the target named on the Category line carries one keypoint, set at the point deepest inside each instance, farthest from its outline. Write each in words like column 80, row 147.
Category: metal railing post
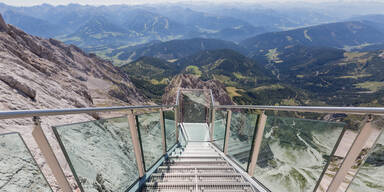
column 49, row 155
column 212, row 125
column 212, row 98
column 162, row 126
column 136, row 143
column 227, row 131
column 177, row 123
column 262, row 119
column 354, row 151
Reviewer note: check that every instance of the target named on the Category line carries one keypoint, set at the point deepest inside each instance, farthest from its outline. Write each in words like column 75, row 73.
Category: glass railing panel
column 370, row 173
column 100, row 153
column 150, row 137
column 182, row 138
column 195, row 105
column 18, row 170
column 353, row 125
column 295, row 151
column 241, row 137
column 170, row 128
column 220, row 123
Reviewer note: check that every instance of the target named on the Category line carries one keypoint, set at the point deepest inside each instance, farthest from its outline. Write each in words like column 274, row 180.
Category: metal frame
column 49, row 155
column 163, row 134
column 136, row 144
column 257, row 139
column 52, row 112
column 354, row 151
column 212, row 125
column 177, row 114
column 330, row 158
column 227, row 131
column 212, row 98
column 316, row 109
column 366, row 157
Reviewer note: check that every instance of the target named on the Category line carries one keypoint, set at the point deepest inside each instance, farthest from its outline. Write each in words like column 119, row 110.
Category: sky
column 112, row 2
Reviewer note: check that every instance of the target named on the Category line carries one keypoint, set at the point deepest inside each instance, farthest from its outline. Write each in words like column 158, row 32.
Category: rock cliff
column 188, row 81
column 38, row 73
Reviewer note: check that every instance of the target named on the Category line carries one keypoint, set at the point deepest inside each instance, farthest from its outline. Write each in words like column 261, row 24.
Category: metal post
column 136, row 143
column 227, row 131
column 177, row 122
column 262, row 119
column 212, row 98
column 162, row 126
column 353, row 153
column 212, row 124
column 211, row 106
column 49, row 155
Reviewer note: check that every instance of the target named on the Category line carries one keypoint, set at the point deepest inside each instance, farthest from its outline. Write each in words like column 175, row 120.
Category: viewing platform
column 199, row 145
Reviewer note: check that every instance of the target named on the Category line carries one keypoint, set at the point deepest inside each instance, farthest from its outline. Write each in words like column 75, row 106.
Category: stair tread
column 197, row 167
column 200, row 174
column 215, row 183
column 197, row 160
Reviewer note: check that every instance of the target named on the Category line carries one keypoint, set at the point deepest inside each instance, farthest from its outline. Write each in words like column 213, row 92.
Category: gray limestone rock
column 18, row 170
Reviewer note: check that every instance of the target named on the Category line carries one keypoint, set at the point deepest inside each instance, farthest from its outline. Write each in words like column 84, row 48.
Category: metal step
column 200, row 169
column 192, row 158
column 191, row 177
column 201, row 154
column 202, row 186
column 197, row 167
column 195, row 163
column 199, row 151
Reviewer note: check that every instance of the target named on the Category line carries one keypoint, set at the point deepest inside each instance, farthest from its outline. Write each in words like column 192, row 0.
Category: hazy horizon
column 138, row 2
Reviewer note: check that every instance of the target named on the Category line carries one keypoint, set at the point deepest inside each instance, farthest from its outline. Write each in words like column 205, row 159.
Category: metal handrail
column 315, row 109
column 51, row 112
column 39, row 136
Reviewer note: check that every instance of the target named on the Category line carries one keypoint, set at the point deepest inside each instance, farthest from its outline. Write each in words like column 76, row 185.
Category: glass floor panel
column 197, row 131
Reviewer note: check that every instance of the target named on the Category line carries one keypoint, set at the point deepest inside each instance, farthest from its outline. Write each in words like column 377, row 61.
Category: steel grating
column 197, row 167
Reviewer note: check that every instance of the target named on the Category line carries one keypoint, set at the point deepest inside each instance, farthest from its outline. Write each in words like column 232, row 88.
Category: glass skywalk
column 200, row 145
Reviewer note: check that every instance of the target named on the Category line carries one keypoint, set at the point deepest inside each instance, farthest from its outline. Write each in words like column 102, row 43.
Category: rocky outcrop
column 188, row 81
column 38, row 73
column 3, row 25
column 21, row 87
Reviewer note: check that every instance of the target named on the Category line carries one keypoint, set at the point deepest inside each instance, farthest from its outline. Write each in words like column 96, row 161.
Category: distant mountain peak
column 3, row 25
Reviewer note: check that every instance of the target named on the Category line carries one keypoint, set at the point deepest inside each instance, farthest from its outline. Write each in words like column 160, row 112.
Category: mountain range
column 261, row 56
column 174, row 49
column 292, row 67
column 143, row 23
column 338, row 35
column 153, row 51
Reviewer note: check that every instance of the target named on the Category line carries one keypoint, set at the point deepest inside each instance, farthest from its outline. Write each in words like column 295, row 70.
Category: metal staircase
column 195, row 145
column 197, row 167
